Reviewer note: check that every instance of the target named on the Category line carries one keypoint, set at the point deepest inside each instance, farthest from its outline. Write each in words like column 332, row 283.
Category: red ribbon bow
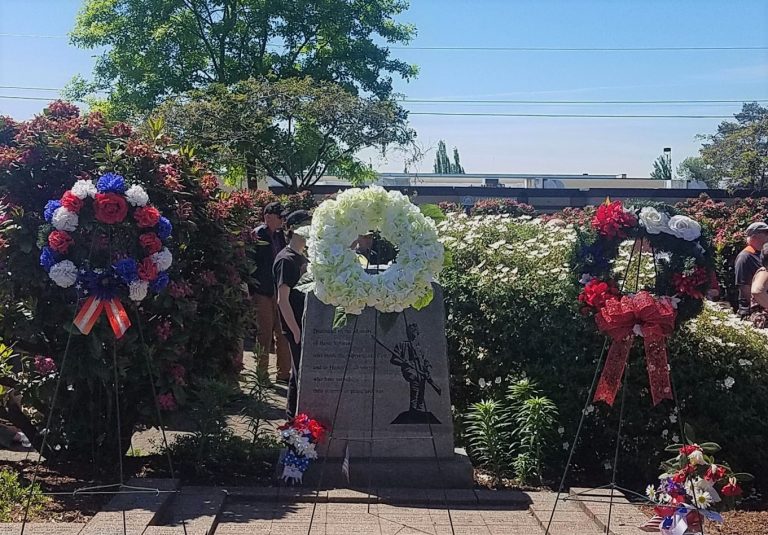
column 641, row 314
column 92, row 309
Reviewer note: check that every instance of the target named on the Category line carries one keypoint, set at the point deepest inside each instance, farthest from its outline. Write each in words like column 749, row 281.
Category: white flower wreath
column 339, row 278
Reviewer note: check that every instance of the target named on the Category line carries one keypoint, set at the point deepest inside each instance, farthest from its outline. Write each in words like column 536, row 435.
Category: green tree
column 292, row 131
column 443, row 164
column 739, row 150
column 155, row 49
column 662, row 168
column 694, row 168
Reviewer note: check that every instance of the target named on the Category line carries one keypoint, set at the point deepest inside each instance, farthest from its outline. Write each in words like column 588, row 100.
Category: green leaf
column 710, row 447
column 339, row 318
column 673, row 447
column 425, row 300
column 743, row 477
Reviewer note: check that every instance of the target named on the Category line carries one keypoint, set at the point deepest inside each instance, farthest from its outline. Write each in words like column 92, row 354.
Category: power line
column 478, row 101
column 483, row 101
column 570, row 115
column 577, row 49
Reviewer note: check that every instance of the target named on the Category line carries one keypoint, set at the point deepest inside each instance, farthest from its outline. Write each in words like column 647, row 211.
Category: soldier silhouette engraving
column 416, row 370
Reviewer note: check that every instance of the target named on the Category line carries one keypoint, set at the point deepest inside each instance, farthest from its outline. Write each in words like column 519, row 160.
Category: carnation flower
column 164, row 228
column 64, row 273
column 163, row 259
column 151, row 242
column 47, row 258
column 147, row 269
column 112, row 183
column 136, row 196
column 159, row 284
column 71, row 202
column 110, row 208
column 137, row 290
column 146, row 216
column 50, row 208
column 83, row 189
column 63, row 219
column 60, row 241
column 127, row 270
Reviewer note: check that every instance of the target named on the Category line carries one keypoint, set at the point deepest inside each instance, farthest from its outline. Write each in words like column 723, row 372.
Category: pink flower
column 208, row 278
column 164, row 330
column 167, row 402
column 179, row 290
column 178, row 372
column 44, row 365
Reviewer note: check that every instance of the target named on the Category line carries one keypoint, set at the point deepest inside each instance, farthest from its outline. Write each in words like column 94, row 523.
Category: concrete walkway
column 281, row 511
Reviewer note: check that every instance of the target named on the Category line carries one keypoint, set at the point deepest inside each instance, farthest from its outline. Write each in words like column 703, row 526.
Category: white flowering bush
column 512, row 311
column 339, row 278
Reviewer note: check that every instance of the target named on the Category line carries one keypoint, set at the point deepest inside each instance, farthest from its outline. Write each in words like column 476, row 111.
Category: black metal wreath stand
column 118, row 488
column 594, row 494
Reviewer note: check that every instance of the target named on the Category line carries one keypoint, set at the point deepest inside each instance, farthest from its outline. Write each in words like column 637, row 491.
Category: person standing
column 270, row 241
column 747, row 263
column 290, row 264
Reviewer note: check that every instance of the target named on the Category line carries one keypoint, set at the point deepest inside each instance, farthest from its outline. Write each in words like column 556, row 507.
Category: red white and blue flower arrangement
column 682, row 257
column 692, row 485
column 300, row 437
column 106, row 240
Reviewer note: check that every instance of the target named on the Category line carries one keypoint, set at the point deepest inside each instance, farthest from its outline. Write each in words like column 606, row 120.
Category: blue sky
column 510, row 144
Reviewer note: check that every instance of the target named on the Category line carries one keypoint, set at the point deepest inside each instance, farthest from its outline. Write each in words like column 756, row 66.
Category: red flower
column 71, row 202
column 147, row 216
column 715, row 473
column 732, row 488
column 147, row 270
column 689, row 448
column 110, row 208
column 597, row 292
column 612, row 221
column 151, row 242
column 60, row 241
column 693, row 284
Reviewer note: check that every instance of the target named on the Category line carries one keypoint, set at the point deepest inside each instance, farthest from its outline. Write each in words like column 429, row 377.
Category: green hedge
column 512, row 310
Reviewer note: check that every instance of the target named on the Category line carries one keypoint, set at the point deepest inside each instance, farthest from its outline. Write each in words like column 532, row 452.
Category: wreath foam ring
column 106, row 241
column 624, row 304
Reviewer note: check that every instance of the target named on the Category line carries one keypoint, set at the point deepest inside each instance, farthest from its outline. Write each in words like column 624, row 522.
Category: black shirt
column 288, row 269
column 263, row 255
column 746, row 265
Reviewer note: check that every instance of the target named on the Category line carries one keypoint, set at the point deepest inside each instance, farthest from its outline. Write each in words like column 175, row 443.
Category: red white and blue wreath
column 107, row 242
column 682, row 256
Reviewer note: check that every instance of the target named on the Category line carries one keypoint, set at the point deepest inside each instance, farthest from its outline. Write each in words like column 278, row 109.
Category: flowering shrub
column 727, row 224
column 502, row 206
column 513, row 308
column 189, row 330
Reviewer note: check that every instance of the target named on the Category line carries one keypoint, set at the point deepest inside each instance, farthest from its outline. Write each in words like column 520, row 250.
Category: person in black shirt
column 290, row 265
column 269, row 241
column 747, row 263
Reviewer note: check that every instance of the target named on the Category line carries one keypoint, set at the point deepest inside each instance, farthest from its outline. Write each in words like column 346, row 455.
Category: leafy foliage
column 443, row 164
column 153, row 49
column 292, row 131
column 488, row 436
column 533, row 419
column 739, row 150
column 189, row 331
column 511, row 310
column 14, row 496
column 662, row 168
column 695, row 169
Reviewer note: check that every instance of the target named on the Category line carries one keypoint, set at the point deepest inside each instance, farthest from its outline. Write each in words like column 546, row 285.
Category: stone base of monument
column 418, row 473
column 381, row 387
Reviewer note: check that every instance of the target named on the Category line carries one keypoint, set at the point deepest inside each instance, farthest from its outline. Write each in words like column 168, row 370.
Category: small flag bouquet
column 300, row 437
column 692, row 485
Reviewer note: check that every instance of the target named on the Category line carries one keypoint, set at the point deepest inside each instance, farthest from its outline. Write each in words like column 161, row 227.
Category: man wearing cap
column 290, row 265
column 748, row 262
column 269, row 241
